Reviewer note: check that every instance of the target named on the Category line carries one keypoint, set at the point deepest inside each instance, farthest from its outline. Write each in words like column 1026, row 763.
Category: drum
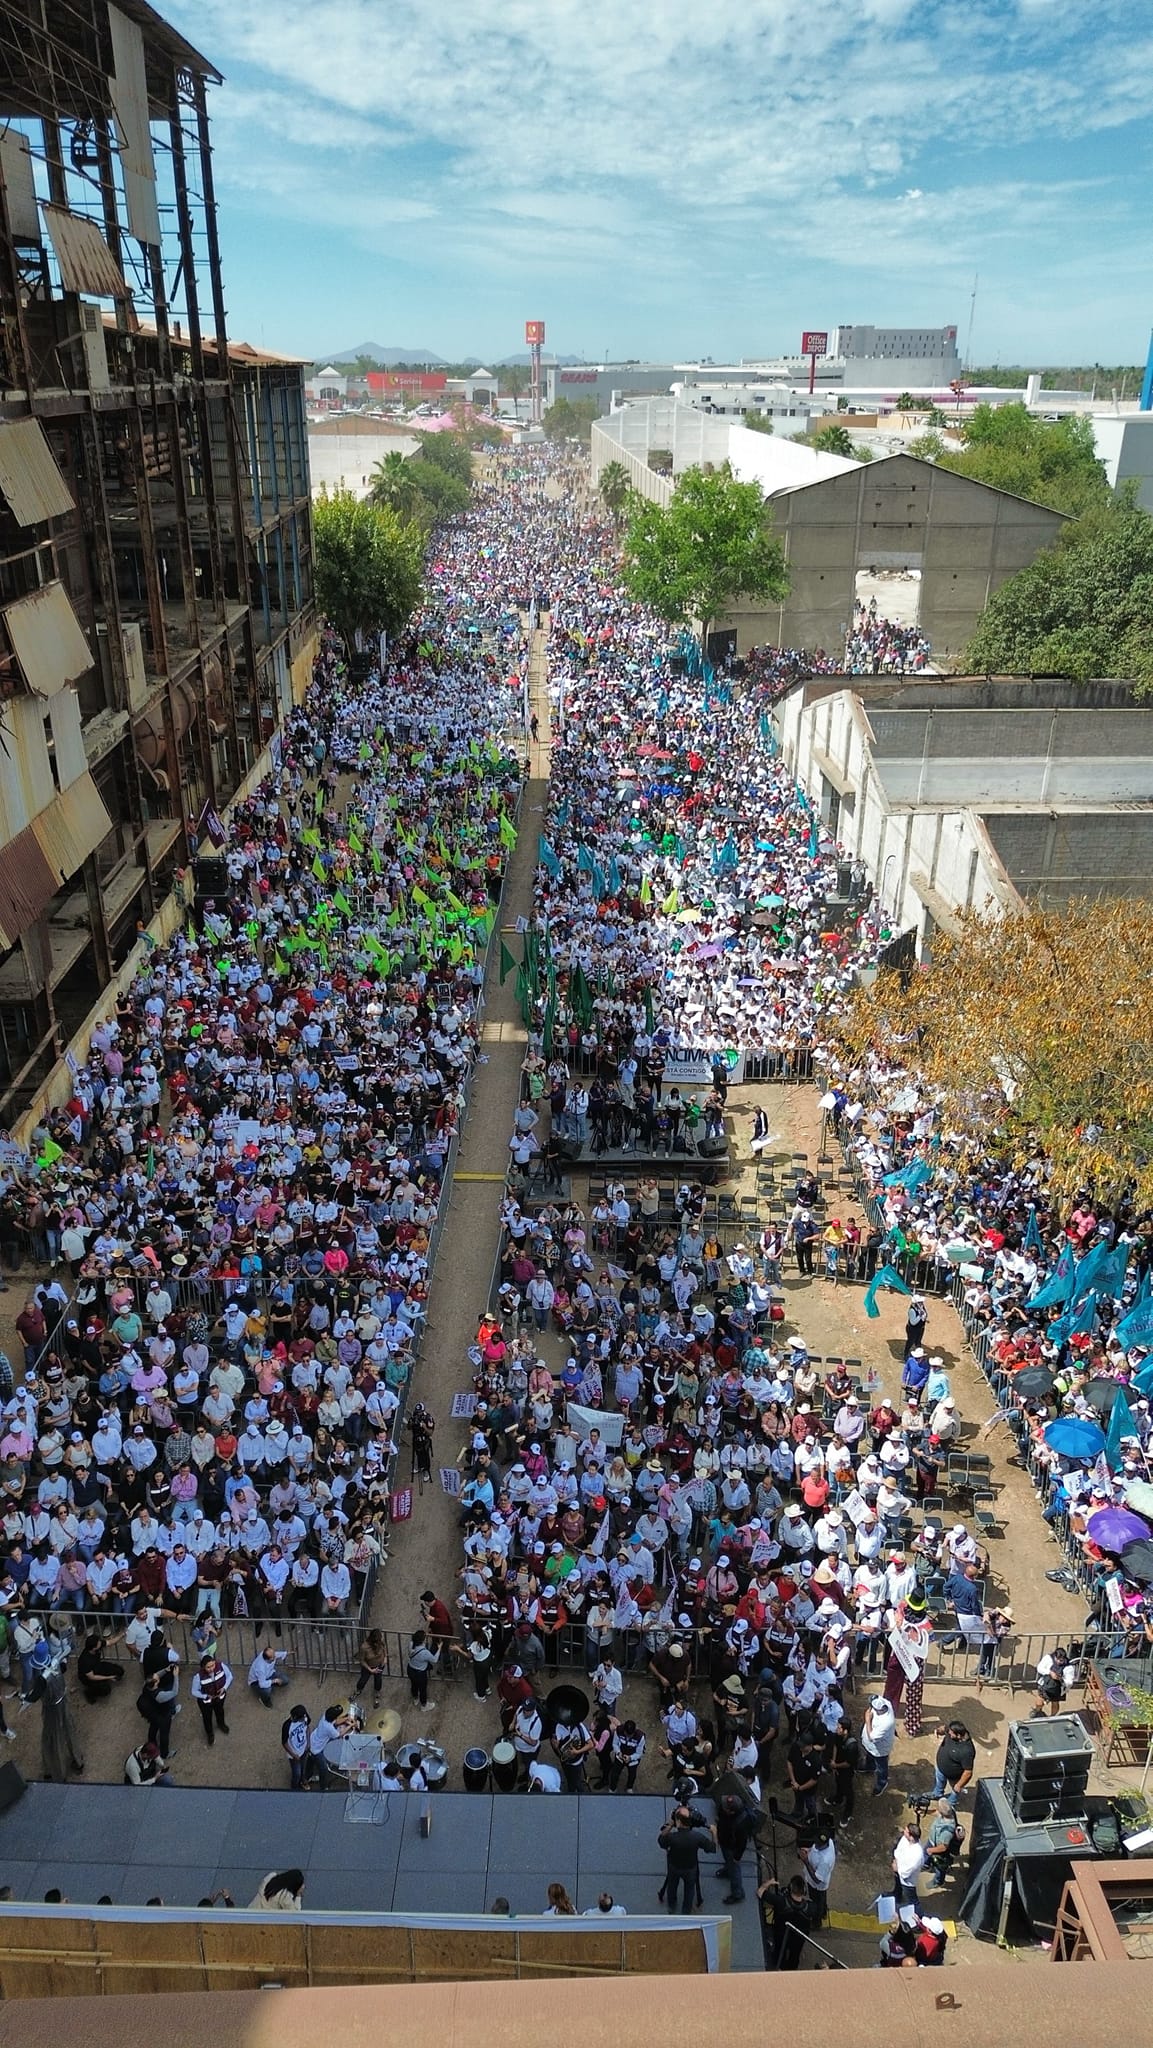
column 505, row 1767
column 436, row 1771
column 567, row 1703
column 475, row 1768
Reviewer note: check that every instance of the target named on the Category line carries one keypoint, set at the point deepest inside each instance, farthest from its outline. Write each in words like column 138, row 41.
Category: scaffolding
column 182, row 539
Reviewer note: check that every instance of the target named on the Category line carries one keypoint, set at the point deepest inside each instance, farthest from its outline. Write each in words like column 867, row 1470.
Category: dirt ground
column 426, row 1550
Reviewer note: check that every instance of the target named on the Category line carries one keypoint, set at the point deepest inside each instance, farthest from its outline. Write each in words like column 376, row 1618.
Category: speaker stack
column 212, row 879
column 1047, row 1769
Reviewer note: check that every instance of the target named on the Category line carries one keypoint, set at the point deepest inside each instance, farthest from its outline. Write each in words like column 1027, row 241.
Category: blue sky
column 655, row 178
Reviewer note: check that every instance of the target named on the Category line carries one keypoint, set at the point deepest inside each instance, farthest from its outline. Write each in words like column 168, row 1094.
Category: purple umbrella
column 1112, row 1528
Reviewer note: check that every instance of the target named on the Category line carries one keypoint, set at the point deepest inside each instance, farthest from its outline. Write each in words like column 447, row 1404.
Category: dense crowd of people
column 1054, row 1298
column 878, row 646
column 241, row 1197
column 238, row 1202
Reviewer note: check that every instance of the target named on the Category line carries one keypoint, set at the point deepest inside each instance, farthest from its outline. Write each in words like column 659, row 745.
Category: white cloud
column 617, row 144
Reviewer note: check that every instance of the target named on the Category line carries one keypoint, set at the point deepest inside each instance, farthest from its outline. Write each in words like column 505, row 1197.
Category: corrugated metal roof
column 27, row 886
column 29, row 478
column 47, row 640
column 86, row 262
column 19, row 186
column 128, row 87
column 72, row 827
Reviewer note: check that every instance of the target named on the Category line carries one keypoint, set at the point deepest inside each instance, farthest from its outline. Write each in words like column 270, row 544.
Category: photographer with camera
column 942, row 1843
column 684, row 1837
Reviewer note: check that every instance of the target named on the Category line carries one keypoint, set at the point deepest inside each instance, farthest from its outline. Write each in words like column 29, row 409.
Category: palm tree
column 515, row 382
column 832, row 440
column 392, row 484
column 614, row 489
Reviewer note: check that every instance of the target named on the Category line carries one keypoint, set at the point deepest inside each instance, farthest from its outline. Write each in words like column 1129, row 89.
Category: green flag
column 507, row 832
column 342, row 903
column 507, row 963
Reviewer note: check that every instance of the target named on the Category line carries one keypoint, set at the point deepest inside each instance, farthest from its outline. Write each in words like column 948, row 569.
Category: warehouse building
column 971, row 793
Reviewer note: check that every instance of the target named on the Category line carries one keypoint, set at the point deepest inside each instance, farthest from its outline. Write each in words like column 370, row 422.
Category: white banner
column 582, row 1421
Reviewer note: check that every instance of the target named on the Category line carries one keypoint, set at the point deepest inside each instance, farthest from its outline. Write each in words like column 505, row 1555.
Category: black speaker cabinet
column 12, row 1786
column 1047, row 1769
column 212, row 876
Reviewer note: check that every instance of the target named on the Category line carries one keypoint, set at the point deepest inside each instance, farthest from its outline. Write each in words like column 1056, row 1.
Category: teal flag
column 1120, row 1425
column 887, row 1276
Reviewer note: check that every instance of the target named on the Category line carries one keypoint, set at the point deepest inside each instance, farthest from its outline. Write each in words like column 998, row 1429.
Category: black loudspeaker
column 1047, row 1769
column 212, row 876
column 678, row 666
column 12, row 1786
column 711, row 1148
column 844, row 878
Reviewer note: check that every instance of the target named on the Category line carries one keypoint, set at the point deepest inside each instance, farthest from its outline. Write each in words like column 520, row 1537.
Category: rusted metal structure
column 155, row 541
column 1106, row 1914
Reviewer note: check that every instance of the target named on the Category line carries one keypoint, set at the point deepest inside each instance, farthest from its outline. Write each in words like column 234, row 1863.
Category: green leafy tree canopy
column 450, row 452
column 1083, row 609
column 760, row 422
column 1054, row 462
column 571, row 419
column 713, row 543
column 367, row 565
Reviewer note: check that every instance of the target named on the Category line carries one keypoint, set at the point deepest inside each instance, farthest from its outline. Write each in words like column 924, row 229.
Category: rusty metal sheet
column 19, row 186
column 29, row 477
column 72, row 827
column 47, row 640
column 128, row 87
column 86, row 262
column 27, row 886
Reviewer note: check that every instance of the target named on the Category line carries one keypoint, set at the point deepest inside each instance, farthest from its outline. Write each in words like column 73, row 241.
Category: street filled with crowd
column 693, row 1557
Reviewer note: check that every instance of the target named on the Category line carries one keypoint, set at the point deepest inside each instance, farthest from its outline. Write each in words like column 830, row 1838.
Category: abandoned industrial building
column 156, row 612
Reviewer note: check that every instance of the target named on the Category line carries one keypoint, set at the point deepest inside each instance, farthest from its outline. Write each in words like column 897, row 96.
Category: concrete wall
column 925, row 866
column 1053, row 856
column 1012, row 755
column 345, row 462
column 901, row 513
column 905, row 786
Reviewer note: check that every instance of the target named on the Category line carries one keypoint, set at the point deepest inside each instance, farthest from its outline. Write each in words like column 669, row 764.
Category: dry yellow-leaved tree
column 1034, row 1027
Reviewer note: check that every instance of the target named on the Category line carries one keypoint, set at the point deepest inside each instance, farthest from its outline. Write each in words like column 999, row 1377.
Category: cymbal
column 386, row 1724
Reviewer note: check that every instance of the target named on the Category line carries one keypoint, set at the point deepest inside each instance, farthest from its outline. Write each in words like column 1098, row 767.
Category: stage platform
column 181, row 1845
column 707, row 1167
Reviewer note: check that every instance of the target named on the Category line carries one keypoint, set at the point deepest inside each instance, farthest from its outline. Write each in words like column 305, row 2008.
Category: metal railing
column 1010, row 1666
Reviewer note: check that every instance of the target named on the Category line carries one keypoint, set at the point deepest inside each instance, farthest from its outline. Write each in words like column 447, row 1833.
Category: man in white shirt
column 908, row 1861
column 265, row 1674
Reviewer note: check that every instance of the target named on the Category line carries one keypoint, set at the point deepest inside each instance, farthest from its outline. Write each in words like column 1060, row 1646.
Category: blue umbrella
column 1071, row 1438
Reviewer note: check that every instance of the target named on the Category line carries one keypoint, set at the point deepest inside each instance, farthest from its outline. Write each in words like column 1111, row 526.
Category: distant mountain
column 522, row 356
column 386, row 357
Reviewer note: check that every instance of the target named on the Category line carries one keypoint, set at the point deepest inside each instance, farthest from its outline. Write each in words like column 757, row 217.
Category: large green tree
column 713, row 543
column 415, row 488
column 450, row 452
column 367, row 565
column 1053, row 462
column 1083, row 609
column 571, row 419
